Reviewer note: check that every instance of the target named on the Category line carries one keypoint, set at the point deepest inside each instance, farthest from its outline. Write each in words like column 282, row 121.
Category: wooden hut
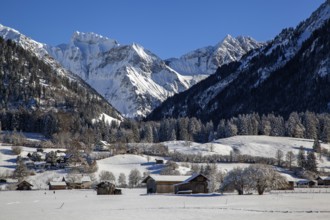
column 307, row 183
column 57, row 185
column 323, row 180
column 106, row 188
column 162, row 183
column 197, row 183
column 24, row 185
column 159, row 161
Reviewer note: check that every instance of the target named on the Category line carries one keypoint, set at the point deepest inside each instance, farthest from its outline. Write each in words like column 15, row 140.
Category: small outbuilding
column 307, row 183
column 323, row 180
column 57, row 185
column 107, row 188
column 159, row 161
column 197, row 183
column 24, row 185
column 162, row 183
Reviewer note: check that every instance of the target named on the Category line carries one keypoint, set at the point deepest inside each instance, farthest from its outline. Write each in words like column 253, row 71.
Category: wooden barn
column 57, row 185
column 306, row 183
column 197, row 183
column 24, row 185
column 107, row 188
column 159, row 161
column 323, row 180
column 162, row 183
column 80, row 182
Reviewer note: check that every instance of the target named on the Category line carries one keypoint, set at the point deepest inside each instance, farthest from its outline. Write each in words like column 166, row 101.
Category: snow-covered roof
column 57, row 183
column 86, row 179
column 305, row 181
column 165, row 178
column 191, row 178
column 58, row 179
column 324, row 177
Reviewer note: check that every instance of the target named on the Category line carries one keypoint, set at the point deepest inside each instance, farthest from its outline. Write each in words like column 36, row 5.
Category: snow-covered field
column 263, row 146
column 134, row 204
column 126, row 162
column 252, row 145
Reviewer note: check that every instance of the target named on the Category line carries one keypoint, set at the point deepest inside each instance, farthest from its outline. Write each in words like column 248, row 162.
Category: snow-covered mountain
column 62, row 91
column 38, row 49
column 288, row 74
column 205, row 61
column 131, row 78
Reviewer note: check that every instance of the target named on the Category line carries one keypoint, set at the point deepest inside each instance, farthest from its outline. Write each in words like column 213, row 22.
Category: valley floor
column 134, row 204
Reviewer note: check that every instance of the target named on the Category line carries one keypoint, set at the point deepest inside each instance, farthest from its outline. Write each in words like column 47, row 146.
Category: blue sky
column 169, row 28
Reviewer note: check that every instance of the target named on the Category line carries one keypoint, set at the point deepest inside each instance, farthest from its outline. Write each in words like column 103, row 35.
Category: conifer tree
column 301, row 158
column 311, row 163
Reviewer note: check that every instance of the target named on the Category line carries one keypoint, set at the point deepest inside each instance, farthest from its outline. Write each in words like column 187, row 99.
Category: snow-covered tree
column 214, row 175
column 301, row 157
column 265, row 126
column 107, row 176
column 231, row 129
column 122, row 180
column 294, row 126
column 134, row 178
column 279, row 157
column 311, row 163
column 311, row 124
column 317, row 146
column 21, row 170
column 263, row 177
column 221, row 129
column 290, row 158
column 235, row 180
column 243, row 125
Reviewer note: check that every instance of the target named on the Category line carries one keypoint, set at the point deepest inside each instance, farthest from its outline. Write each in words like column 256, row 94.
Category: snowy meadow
column 135, row 204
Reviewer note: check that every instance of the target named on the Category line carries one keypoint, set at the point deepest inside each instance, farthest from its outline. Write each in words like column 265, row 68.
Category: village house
column 83, row 182
column 323, row 180
column 24, row 185
column 57, row 185
column 306, row 183
column 104, row 146
column 197, row 183
column 162, row 183
column 107, row 188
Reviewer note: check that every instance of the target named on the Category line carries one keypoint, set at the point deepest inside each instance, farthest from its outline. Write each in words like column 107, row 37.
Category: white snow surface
column 107, row 119
column 127, row 162
column 263, row 146
column 134, row 204
column 205, row 61
column 131, row 78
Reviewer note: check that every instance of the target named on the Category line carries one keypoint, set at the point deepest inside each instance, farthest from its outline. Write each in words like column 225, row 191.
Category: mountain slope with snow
column 131, row 78
column 205, row 61
column 288, row 74
column 40, row 94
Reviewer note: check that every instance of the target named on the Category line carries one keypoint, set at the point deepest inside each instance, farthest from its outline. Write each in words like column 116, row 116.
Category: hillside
column 288, row 74
column 37, row 97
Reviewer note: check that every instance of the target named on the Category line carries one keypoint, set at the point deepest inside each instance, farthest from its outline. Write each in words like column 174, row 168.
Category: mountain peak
column 9, row 33
column 92, row 38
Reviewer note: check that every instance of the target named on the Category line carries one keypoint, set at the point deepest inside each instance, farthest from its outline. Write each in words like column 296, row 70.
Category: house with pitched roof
column 162, row 183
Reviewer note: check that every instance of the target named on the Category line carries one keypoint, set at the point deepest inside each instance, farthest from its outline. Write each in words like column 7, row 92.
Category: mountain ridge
column 229, row 91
